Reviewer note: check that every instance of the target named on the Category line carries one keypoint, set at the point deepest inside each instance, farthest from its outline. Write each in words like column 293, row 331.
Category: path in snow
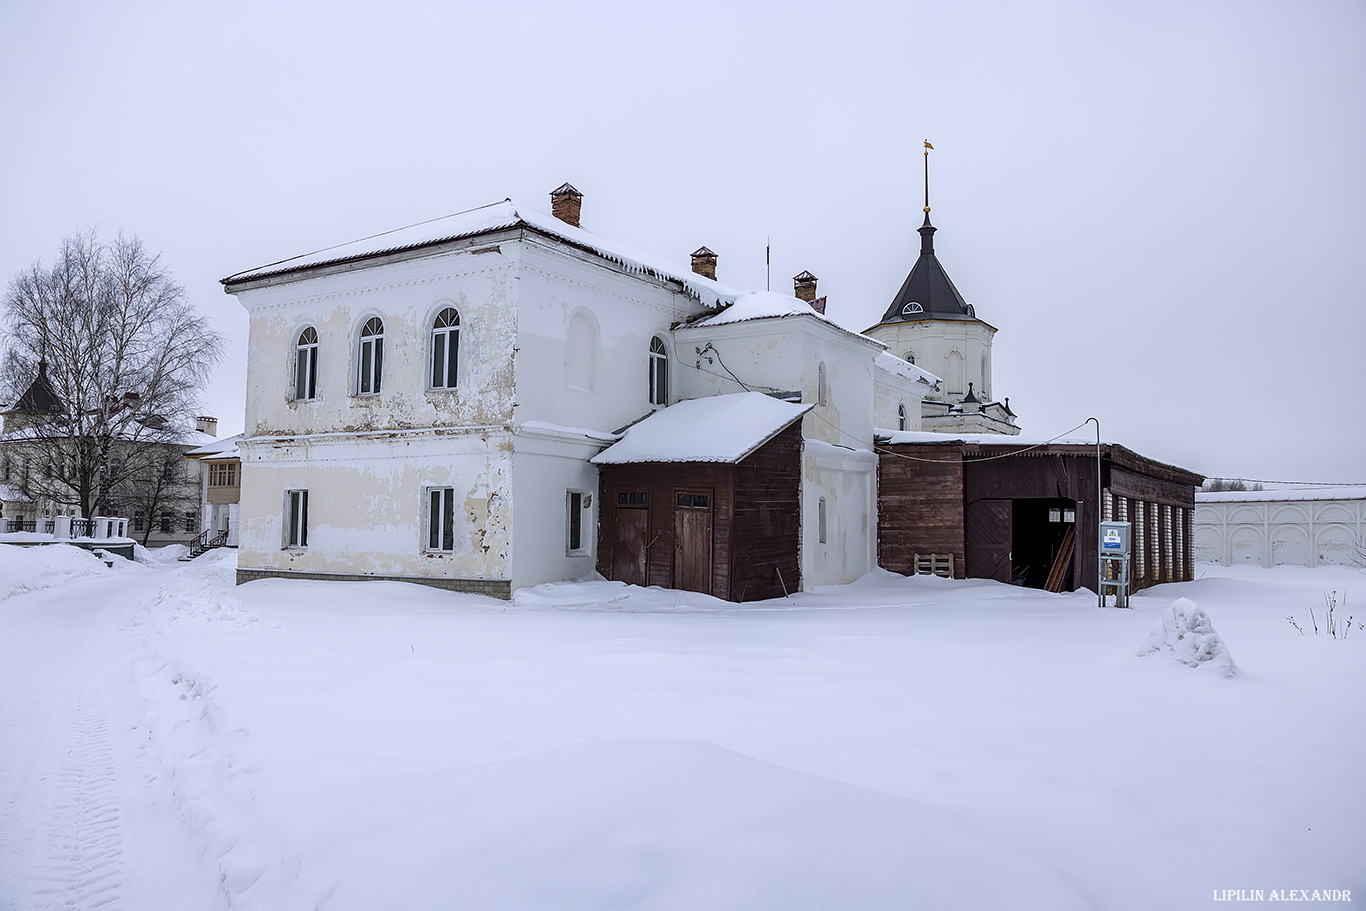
column 89, row 821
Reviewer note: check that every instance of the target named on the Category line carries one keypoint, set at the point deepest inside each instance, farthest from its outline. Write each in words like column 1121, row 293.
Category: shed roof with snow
column 722, row 428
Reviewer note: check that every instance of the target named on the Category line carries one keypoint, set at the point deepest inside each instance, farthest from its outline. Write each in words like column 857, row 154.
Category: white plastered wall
column 367, row 500
column 1269, row 533
column 933, row 340
column 407, row 296
column 627, row 311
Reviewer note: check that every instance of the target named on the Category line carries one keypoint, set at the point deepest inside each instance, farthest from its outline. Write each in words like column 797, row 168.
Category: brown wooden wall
column 960, row 507
column 767, row 511
column 1048, row 476
column 755, row 518
column 919, row 505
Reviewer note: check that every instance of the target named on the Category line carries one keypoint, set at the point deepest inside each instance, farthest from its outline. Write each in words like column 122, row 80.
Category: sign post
column 1114, row 561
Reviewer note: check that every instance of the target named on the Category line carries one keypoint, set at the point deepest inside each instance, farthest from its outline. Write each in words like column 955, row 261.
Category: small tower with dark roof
column 930, row 324
column 38, row 405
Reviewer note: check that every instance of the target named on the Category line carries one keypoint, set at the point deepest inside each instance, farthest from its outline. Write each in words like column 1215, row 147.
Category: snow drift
column 1188, row 636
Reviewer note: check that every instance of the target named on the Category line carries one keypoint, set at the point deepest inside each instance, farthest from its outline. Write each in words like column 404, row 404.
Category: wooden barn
column 1026, row 514
column 706, row 496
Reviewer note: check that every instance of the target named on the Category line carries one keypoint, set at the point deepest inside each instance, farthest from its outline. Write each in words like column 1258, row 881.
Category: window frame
column 305, row 386
column 296, row 519
column 370, row 357
column 578, row 520
column 449, row 336
column 658, row 372
column 442, row 511
column 903, row 418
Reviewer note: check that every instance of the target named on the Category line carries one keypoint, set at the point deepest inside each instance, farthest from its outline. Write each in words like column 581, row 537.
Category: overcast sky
column 1161, row 206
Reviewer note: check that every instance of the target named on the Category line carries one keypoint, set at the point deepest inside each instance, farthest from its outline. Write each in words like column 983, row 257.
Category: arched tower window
column 370, row 358
column 909, row 357
column 821, row 386
column 986, row 379
column 954, row 368
column 902, row 421
column 306, row 364
column 659, row 372
column 445, row 349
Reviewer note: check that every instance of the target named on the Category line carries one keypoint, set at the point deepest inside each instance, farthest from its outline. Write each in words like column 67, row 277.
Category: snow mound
column 168, row 554
column 1188, row 636
column 27, row 569
column 671, row 824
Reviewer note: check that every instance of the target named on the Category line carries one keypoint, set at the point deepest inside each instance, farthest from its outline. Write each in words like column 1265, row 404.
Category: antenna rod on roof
column 768, row 264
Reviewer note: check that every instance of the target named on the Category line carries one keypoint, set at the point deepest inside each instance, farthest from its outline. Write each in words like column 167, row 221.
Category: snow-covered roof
column 10, row 494
column 901, row 367
column 219, row 449
column 763, row 305
column 485, row 219
column 1356, row 492
column 173, row 436
column 760, row 305
column 722, row 428
column 1019, row 441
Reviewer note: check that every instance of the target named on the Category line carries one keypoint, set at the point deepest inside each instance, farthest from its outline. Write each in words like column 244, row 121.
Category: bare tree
column 1219, row 485
column 126, row 355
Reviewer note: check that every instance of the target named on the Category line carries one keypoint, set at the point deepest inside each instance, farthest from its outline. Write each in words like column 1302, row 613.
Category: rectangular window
column 577, row 523
column 632, row 498
column 296, row 520
column 441, row 519
column 190, row 521
column 139, row 520
column 165, row 524
column 306, row 372
column 168, row 471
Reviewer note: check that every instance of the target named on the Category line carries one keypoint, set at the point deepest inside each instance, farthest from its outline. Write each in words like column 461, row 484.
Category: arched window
column 909, row 357
column 581, row 352
column 820, row 520
column 306, row 364
column 820, row 383
column 659, row 372
column 986, row 379
column 954, row 363
column 370, row 362
column 445, row 349
column 902, row 421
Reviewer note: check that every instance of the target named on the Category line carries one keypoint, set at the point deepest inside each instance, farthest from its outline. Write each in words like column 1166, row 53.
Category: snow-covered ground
column 174, row 742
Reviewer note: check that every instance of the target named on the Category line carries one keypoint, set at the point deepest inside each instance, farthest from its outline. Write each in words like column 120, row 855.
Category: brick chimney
column 704, row 263
column 565, row 203
column 805, row 286
column 205, row 424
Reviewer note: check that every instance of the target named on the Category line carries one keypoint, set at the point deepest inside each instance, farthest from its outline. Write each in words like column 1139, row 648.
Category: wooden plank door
column 631, row 535
column 692, row 540
column 986, row 526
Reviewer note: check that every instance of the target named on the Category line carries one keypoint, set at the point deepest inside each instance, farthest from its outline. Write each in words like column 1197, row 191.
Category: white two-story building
column 424, row 405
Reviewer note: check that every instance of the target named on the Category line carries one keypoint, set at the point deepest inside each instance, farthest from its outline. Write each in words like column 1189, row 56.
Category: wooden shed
column 705, row 496
column 1026, row 514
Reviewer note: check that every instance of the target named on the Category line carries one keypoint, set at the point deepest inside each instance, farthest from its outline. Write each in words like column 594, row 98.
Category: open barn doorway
column 1043, row 538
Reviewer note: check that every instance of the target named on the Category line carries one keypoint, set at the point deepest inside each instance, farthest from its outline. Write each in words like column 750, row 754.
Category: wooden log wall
column 920, row 505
